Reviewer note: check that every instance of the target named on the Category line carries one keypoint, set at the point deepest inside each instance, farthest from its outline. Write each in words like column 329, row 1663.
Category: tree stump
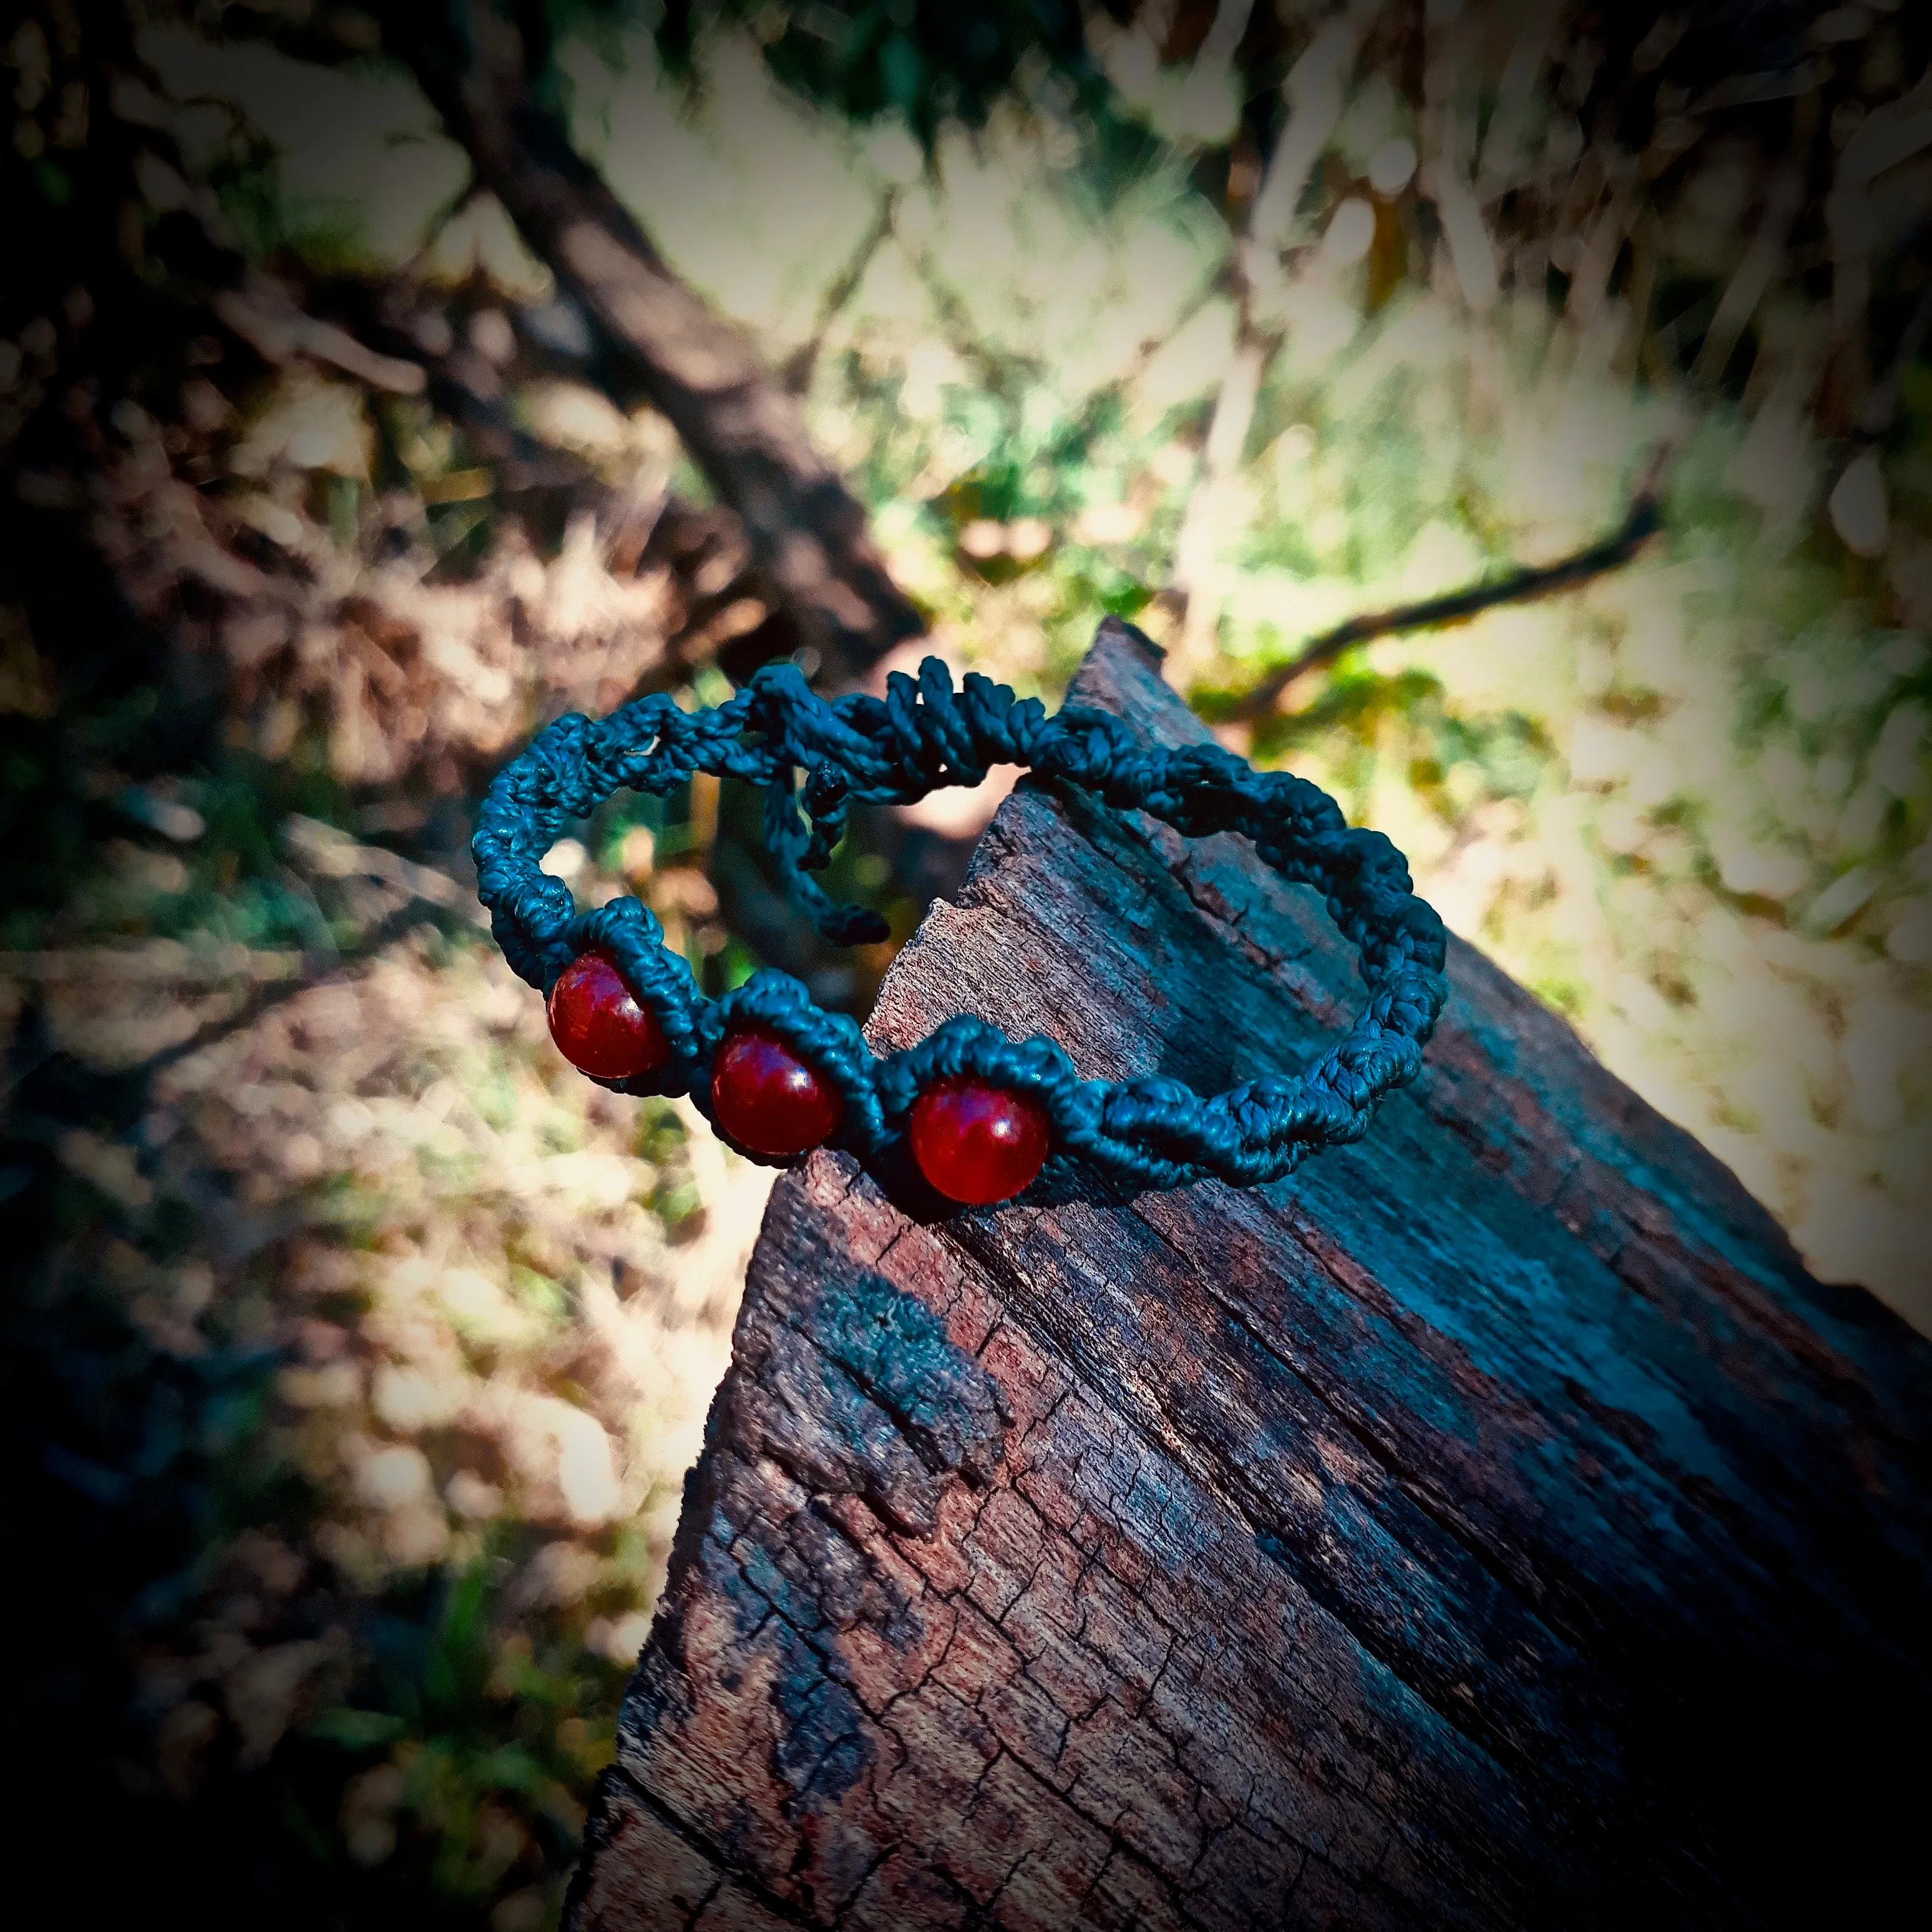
column 1492, row 1525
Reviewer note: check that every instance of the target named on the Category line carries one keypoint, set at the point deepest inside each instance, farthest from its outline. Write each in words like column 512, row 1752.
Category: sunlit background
column 364, row 1345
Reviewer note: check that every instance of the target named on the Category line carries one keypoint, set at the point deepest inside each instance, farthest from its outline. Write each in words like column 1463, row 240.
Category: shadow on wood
column 1493, row 1525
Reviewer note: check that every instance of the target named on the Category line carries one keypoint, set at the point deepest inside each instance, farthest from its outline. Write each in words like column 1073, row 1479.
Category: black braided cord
column 921, row 736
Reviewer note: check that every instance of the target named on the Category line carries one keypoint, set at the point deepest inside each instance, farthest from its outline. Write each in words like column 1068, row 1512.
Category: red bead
column 977, row 1143
column 597, row 1024
column 769, row 1100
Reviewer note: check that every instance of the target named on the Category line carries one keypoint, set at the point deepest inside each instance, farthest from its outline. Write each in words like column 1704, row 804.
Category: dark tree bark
column 1493, row 1526
column 741, row 426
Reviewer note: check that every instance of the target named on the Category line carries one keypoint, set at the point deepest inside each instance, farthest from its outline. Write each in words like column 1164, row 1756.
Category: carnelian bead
column 597, row 1024
column 769, row 1100
column 977, row 1143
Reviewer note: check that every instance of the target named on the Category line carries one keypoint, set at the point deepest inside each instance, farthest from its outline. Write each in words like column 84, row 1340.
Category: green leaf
column 355, row 1730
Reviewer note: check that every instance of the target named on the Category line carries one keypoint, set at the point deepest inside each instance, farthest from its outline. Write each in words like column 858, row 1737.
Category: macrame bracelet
column 979, row 1113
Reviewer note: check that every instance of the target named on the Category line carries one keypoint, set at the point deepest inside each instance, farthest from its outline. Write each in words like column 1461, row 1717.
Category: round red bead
column 769, row 1100
column 597, row 1024
column 977, row 1143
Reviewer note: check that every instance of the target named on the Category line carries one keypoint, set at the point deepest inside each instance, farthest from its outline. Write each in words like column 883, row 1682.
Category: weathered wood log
column 1493, row 1525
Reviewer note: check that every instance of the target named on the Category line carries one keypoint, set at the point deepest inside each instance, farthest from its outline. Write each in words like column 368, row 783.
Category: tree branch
column 839, row 291
column 740, row 424
column 1458, row 607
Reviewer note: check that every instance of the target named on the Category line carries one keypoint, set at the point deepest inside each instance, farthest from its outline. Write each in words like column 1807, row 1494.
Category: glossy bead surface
column 977, row 1143
column 599, row 1026
column 769, row 1100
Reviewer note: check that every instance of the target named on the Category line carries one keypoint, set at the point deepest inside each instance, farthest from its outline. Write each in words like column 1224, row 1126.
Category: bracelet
column 981, row 1115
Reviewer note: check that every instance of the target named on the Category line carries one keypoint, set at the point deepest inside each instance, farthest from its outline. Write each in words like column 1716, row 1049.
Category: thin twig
column 1756, row 272
column 955, row 321
column 1877, row 412
column 1458, row 607
column 798, row 368
column 415, row 269
column 1087, row 419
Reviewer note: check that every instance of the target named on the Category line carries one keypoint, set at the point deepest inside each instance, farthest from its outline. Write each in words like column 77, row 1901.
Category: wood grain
column 1493, row 1525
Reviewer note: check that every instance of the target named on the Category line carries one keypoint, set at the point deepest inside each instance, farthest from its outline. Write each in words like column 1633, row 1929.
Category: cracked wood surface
column 1492, row 1525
